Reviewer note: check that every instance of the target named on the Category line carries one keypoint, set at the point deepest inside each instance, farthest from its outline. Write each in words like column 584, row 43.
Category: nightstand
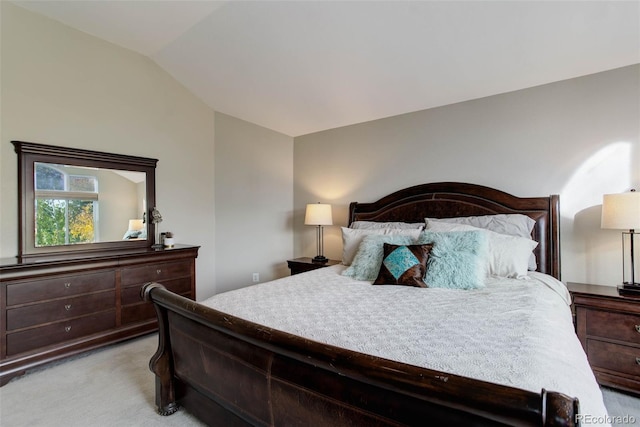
column 608, row 326
column 300, row 265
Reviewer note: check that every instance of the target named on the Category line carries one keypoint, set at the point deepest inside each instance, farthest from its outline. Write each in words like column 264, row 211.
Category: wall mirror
column 75, row 202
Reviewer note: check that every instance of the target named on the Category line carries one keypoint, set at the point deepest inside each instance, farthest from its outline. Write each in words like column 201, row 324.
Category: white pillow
column 373, row 225
column 508, row 255
column 351, row 239
column 510, row 224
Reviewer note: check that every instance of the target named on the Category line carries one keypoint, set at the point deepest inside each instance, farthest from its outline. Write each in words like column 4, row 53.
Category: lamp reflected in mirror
column 136, row 230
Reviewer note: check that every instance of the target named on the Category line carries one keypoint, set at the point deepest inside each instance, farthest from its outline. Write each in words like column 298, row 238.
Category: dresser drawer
column 612, row 325
column 155, row 272
column 131, row 294
column 60, row 309
column 135, row 309
column 614, row 357
column 138, row 313
column 18, row 342
column 59, row 287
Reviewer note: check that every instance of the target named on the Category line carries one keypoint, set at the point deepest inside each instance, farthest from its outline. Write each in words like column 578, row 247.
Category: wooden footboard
column 228, row 371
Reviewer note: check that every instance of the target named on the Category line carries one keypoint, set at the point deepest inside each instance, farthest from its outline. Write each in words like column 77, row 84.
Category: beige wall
column 64, row 87
column 254, row 200
column 578, row 138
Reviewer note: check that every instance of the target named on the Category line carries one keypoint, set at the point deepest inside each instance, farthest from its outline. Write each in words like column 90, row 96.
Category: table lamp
column 622, row 212
column 318, row 214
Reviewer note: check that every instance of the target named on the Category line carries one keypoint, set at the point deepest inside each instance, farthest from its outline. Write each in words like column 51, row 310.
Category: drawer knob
column 67, row 328
column 638, row 360
column 67, row 285
column 158, row 271
column 638, row 329
column 67, row 307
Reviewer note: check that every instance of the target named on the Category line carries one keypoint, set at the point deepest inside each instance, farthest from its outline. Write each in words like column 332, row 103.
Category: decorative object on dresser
column 319, row 214
column 168, row 240
column 300, row 265
column 608, row 326
column 156, row 219
column 75, row 284
column 622, row 212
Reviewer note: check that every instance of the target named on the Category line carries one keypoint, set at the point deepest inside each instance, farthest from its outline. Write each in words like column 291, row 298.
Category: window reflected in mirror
column 75, row 205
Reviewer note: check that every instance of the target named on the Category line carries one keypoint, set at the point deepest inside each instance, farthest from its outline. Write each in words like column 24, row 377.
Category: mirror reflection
column 76, row 205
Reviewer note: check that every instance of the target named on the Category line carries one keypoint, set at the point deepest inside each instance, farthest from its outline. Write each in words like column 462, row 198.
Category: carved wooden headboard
column 455, row 199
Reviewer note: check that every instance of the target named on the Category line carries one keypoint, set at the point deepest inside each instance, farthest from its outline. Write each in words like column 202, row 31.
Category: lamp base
column 320, row 259
column 630, row 290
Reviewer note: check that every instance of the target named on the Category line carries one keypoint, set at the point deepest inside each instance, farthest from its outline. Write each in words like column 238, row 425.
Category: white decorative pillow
column 351, row 239
column 510, row 224
column 373, row 225
column 508, row 255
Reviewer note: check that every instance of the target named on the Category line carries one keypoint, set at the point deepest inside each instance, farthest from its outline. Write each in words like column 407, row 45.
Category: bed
column 243, row 358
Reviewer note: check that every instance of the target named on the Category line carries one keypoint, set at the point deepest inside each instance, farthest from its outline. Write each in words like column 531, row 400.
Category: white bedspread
column 514, row 332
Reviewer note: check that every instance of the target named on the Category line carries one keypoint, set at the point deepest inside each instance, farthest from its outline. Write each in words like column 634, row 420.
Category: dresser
column 608, row 326
column 55, row 308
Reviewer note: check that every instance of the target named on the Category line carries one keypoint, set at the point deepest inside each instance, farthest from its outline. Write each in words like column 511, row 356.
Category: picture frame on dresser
column 60, row 300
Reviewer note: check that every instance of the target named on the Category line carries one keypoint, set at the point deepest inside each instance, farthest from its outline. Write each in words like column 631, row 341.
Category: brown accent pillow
column 404, row 265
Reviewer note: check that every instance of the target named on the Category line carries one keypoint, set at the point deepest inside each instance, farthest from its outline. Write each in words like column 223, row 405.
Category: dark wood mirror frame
column 29, row 153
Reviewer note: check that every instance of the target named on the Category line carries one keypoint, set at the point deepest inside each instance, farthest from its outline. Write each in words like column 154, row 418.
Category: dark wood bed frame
column 231, row 372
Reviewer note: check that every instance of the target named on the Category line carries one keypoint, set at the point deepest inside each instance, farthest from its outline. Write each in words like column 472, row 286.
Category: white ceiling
column 304, row 66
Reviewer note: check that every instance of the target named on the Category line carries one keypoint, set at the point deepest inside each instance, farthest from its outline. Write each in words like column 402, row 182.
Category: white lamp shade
column 136, row 224
column 318, row 214
column 621, row 211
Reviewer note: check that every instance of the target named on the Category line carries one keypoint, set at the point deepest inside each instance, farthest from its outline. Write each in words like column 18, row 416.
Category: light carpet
column 109, row 387
column 114, row 387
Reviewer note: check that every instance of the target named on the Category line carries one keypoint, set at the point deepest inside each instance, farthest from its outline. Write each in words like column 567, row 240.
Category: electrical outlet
column 256, row 277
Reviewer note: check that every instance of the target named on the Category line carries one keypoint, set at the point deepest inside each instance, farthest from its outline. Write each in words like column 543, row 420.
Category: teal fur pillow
column 404, row 265
column 458, row 259
column 368, row 258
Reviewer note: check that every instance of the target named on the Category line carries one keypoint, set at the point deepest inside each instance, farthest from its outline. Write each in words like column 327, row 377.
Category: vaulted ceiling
column 299, row 67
